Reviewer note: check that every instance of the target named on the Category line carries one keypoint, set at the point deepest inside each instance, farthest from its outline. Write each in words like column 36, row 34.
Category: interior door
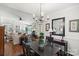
column 1, row 40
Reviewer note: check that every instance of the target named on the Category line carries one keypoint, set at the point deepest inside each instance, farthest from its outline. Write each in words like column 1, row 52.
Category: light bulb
column 33, row 15
column 47, row 17
column 42, row 14
column 36, row 19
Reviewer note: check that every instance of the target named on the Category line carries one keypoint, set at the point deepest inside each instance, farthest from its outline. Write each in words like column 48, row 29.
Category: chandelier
column 39, row 21
column 41, row 15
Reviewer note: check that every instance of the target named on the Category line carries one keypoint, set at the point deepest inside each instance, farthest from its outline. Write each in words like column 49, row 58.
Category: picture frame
column 58, row 26
column 47, row 26
column 74, row 25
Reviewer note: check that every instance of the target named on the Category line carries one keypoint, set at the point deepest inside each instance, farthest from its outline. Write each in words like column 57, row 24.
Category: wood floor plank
column 12, row 50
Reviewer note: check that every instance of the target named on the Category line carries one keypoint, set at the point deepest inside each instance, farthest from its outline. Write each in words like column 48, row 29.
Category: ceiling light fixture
column 41, row 14
column 20, row 18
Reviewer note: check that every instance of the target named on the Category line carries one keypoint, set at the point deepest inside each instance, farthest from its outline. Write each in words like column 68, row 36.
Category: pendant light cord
column 40, row 10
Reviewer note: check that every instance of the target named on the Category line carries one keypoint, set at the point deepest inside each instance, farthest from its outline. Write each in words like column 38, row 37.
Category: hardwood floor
column 12, row 50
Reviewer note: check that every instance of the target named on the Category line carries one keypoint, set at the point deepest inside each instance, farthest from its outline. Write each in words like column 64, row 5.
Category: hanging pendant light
column 20, row 18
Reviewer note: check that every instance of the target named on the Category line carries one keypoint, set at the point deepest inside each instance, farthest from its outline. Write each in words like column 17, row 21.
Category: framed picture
column 74, row 25
column 47, row 26
column 58, row 26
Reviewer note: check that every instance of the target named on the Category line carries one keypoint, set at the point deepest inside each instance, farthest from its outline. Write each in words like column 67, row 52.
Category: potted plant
column 41, row 41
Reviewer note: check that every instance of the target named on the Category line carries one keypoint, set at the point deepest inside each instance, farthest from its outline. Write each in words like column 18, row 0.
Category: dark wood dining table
column 47, row 51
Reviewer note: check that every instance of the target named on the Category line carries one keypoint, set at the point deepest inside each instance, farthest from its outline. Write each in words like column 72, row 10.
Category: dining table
column 48, row 50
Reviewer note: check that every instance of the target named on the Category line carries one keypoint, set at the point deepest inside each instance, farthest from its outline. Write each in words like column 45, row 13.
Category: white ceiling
column 34, row 8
